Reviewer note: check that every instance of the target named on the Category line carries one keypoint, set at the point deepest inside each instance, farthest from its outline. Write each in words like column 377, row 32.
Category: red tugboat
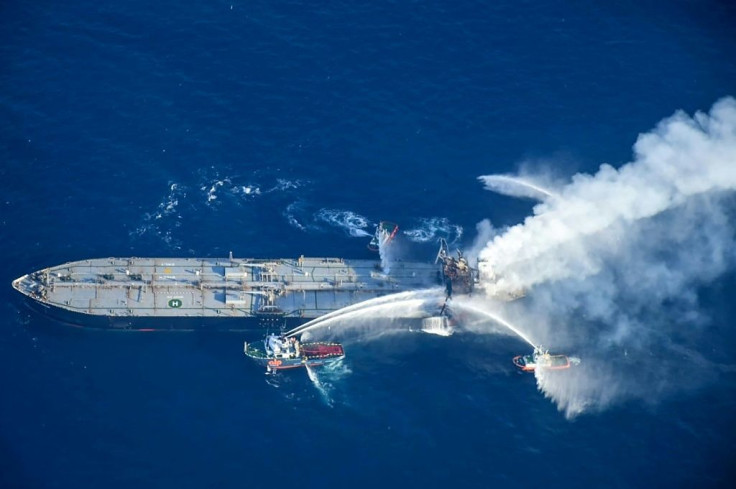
column 543, row 360
column 279, row 353
column 385, row 233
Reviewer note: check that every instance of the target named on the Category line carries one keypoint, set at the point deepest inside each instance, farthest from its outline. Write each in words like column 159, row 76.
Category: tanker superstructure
column 189, row 294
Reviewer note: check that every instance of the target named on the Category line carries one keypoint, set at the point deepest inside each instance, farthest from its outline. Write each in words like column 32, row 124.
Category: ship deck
column 210, row 287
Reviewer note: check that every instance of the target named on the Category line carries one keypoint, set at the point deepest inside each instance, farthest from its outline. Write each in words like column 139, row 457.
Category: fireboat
column 279, row 352
column 541, row 359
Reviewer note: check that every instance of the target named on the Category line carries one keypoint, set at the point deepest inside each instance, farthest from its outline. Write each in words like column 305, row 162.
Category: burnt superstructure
column 457, row 274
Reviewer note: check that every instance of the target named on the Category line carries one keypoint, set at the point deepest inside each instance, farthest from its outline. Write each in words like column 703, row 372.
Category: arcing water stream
column 367, row 306
column 403, row 304
column 494, row 317
column 515, row 186
column 406, row 308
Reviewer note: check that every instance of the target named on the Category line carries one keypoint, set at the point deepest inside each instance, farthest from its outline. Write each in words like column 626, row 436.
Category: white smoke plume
column 613, row 264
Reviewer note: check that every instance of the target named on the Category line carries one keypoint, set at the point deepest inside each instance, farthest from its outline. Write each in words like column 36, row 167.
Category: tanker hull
column 190, row 294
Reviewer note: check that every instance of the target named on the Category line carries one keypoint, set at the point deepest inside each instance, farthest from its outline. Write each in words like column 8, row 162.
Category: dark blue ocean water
column 275, row 129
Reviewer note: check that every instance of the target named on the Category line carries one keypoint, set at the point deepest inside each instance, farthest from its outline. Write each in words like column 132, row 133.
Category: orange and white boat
column 542, row 359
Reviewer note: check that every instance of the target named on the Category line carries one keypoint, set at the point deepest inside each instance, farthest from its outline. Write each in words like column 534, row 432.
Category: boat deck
column 210, row 287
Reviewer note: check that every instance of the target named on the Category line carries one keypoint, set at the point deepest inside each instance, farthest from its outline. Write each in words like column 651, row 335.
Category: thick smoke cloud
column 613, row 263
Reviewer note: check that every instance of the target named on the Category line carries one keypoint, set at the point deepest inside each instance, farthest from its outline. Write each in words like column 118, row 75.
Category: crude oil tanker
column 225, row 294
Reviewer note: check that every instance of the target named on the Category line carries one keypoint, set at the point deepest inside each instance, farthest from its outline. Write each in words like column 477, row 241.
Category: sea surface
column 287, row 128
